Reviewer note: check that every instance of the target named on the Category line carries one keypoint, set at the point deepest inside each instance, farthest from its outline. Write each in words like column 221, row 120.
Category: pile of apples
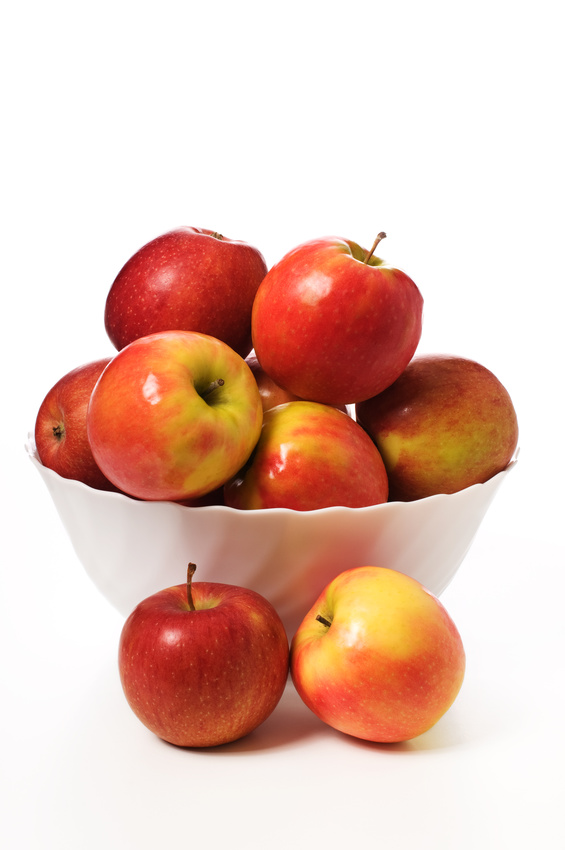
column 296, row 387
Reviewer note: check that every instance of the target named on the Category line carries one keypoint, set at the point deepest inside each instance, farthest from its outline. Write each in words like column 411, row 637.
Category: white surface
column 437, row 123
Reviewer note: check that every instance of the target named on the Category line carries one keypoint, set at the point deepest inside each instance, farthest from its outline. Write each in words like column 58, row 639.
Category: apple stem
column 373, row 249
column 323, row 621
column 211, row 387
column 217, row 235
column 189, row 573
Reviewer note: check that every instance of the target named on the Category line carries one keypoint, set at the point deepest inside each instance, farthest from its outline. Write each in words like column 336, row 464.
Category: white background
column 441, row 124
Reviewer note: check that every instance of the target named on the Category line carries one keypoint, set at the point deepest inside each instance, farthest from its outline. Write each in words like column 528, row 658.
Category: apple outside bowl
column 131, row 549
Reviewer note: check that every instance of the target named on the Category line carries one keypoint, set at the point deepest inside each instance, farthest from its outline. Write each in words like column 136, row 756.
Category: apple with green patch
column 173, row 416
column 445, row 424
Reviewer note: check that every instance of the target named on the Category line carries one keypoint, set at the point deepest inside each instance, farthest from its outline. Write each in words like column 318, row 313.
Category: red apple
column 271, row 394
column 333, row 323
column 377, row 656
column 445, row 424
column 203, row 664
column 309, row 456
column 187, row 279
column 173, row 416
column 60, row 427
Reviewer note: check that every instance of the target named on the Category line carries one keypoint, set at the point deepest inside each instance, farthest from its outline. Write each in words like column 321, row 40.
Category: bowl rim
column 31, row 451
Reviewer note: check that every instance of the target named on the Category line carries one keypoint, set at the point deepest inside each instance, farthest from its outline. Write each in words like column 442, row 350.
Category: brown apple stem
column 373, row 249
column 323, row 621
column 217, row 235
column 189, row 573
column 211, row 387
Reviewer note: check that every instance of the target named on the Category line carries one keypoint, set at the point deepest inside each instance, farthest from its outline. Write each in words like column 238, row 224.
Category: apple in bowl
column 309, row 456
column 333, row 323
column 445, row 424
column 271, row 394
column 60, row 426
column 173, row 416
column 191, row 279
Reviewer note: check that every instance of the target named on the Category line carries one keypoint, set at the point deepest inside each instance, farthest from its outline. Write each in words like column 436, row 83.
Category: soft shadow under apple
column 290, row 723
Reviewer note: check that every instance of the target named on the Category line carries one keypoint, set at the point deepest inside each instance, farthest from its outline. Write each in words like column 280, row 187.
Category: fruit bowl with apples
column 131, row 548
column 273, row 427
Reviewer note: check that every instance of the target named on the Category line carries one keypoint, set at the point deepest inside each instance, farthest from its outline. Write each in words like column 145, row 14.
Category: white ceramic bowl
column 131, row 549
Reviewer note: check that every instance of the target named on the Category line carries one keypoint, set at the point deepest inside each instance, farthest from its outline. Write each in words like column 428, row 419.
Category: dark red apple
column 60, row 427
column 188, row 279
column 203, row 664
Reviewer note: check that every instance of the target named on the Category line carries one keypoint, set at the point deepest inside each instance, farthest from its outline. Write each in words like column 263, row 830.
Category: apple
column 203, row 664
column 173, row 416
column 377, row 656
column 309, row 456
column 271, row 394
column 445, row 424
column 215, row 497
column 333, row 323
column 189, row 279
column 60, row 427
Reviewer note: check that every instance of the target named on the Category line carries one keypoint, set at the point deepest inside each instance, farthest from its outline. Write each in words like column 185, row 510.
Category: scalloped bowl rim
column 132, row 548
column 72, row 482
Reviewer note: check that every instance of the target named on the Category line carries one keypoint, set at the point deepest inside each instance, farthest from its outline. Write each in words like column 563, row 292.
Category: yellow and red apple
column 377, row 657
column 309, row 456
column 173, row 416
column 446, row 423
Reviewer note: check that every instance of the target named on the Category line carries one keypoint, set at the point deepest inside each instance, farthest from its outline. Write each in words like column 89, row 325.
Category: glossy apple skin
column 309, row 456
column 189, row 279
column 60, row 427
column 151, row 431
column 331, row 328
column 390, row 664
column 205, row 677
column 445, row 424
